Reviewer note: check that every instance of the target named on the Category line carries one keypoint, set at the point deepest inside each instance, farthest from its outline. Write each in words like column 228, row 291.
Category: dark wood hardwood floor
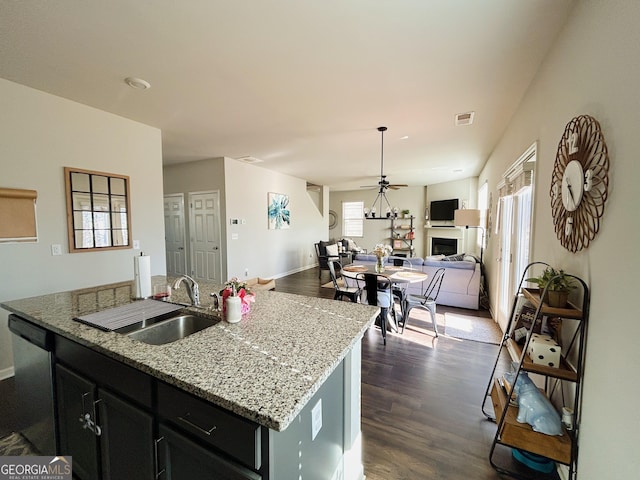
column 421, row 400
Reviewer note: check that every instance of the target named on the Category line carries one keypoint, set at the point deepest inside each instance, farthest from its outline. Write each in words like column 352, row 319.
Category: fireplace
column 444, row 246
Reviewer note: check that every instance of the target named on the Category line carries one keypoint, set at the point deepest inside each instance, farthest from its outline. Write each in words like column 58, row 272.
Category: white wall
column 593, row 69
column 198, row 176
column 378, row 231
column 243, row 195
column 264, row 252
column 466, row 191
column 39, row 135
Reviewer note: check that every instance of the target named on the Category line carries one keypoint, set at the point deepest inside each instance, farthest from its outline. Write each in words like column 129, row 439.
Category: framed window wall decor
column 98, row 210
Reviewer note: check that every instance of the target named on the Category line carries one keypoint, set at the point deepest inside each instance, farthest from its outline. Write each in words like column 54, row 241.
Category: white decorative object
column 544, row 350
column 233, row 311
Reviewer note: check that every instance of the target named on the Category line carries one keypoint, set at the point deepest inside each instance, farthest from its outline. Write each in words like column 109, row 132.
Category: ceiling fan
column 383, row 183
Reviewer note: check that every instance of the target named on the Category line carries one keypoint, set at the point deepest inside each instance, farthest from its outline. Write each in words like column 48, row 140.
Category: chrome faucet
column 192, row 289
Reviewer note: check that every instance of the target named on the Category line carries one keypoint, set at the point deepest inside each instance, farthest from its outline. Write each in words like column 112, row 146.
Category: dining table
column 397, row 275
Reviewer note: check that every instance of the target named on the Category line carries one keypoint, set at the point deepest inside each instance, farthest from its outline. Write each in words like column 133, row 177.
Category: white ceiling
column 300, row 84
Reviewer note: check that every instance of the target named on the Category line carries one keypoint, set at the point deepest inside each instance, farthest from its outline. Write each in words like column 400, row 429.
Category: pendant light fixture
column 381, row 208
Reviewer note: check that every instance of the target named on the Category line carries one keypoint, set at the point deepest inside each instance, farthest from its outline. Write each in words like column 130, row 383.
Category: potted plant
column 558, row 285
column 406, row 213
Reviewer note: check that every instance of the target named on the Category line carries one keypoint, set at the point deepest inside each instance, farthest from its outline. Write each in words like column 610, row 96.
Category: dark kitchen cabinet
column 76, row 399
column 108, row 438
column 126, row 441
column 179, row 458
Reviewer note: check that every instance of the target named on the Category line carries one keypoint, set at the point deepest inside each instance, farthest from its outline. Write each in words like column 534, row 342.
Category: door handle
column 180, row 248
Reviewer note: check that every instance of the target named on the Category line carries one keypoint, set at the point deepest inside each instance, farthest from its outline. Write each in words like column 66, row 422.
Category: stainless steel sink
column 173, row 329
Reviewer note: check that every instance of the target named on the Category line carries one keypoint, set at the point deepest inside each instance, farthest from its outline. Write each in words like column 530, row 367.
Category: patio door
column 515, row 217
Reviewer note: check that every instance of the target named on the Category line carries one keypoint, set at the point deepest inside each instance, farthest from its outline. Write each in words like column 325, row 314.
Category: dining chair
column 351, row 292
column 426, row 301
column 399, row 291
column 378, row 290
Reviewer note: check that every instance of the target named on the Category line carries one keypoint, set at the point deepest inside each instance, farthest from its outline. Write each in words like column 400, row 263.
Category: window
column 98, row 213
column 352, row 219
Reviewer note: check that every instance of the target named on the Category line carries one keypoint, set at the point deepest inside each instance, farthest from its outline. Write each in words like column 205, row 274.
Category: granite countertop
column 264, row 368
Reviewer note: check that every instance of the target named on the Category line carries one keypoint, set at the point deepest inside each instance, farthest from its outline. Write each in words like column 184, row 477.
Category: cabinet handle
column 84, row 408
column 85, row 417
column 96, row 428
column 156, row 459
column 197, row 427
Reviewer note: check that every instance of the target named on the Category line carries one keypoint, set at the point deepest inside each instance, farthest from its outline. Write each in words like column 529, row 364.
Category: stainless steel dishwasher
column 33, row 365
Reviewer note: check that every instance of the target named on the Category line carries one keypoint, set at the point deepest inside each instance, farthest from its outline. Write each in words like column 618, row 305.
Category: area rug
column 478, row 329
column 15, row 445
column 330, row 284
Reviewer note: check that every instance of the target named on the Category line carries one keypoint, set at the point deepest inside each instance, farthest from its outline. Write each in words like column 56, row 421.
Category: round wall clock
column 579, row 183
column 333, row 219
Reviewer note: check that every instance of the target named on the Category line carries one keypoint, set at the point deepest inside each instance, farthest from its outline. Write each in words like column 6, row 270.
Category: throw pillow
column 351, row 245
column 332, row 250
column 322, row 247
column 454, row 258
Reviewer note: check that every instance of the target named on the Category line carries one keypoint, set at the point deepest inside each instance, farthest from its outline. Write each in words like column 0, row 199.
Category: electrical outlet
column 316, row 419
column 56, row 249
column 136, row 244
column 246, row 272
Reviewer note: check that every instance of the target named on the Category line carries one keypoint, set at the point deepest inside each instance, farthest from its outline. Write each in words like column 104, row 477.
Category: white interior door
column 174, row 237
column 204, row 228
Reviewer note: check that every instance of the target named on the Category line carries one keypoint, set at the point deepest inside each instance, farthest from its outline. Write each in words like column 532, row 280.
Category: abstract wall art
column 279, row 214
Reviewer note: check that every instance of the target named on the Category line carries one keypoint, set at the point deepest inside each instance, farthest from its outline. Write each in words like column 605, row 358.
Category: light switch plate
column 56, row 249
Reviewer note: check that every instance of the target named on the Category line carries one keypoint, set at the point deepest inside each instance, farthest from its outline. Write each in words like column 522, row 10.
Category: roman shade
column 18, row 215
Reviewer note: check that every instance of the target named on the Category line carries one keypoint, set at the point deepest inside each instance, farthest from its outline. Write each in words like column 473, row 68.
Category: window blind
column 18, row 215
column 352, row 218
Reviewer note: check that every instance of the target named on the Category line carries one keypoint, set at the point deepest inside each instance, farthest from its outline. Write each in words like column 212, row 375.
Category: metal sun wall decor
column 278, row 211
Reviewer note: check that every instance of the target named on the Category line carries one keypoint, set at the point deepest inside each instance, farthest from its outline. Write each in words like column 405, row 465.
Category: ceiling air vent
column 249, row 159
column 464, row 118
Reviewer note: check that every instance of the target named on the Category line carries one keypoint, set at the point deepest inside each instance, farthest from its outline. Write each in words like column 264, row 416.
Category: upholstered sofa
column 461, row 283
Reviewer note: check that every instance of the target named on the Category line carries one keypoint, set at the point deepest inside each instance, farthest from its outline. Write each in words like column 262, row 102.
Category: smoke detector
column 137, row 83
column 464, row 118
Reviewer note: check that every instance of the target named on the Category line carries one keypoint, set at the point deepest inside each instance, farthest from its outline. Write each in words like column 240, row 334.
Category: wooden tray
column 355, row 268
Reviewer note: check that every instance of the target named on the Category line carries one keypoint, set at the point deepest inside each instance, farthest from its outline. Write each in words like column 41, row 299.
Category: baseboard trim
column 295, row 270
column 7, row 373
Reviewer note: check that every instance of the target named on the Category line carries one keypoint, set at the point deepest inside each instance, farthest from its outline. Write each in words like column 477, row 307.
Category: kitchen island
column 288, row 360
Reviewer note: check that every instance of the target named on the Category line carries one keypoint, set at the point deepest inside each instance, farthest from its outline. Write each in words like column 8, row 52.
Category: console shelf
column 402, row 235
column 521, row 435
column 509, row 432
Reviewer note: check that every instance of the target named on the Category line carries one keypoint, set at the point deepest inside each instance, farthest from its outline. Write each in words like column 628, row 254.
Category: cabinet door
column 76, row 396
column 126, row 440
column 183, row 459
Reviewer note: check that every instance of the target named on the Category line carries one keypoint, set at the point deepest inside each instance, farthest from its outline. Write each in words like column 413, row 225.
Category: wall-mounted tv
column 443, row 209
